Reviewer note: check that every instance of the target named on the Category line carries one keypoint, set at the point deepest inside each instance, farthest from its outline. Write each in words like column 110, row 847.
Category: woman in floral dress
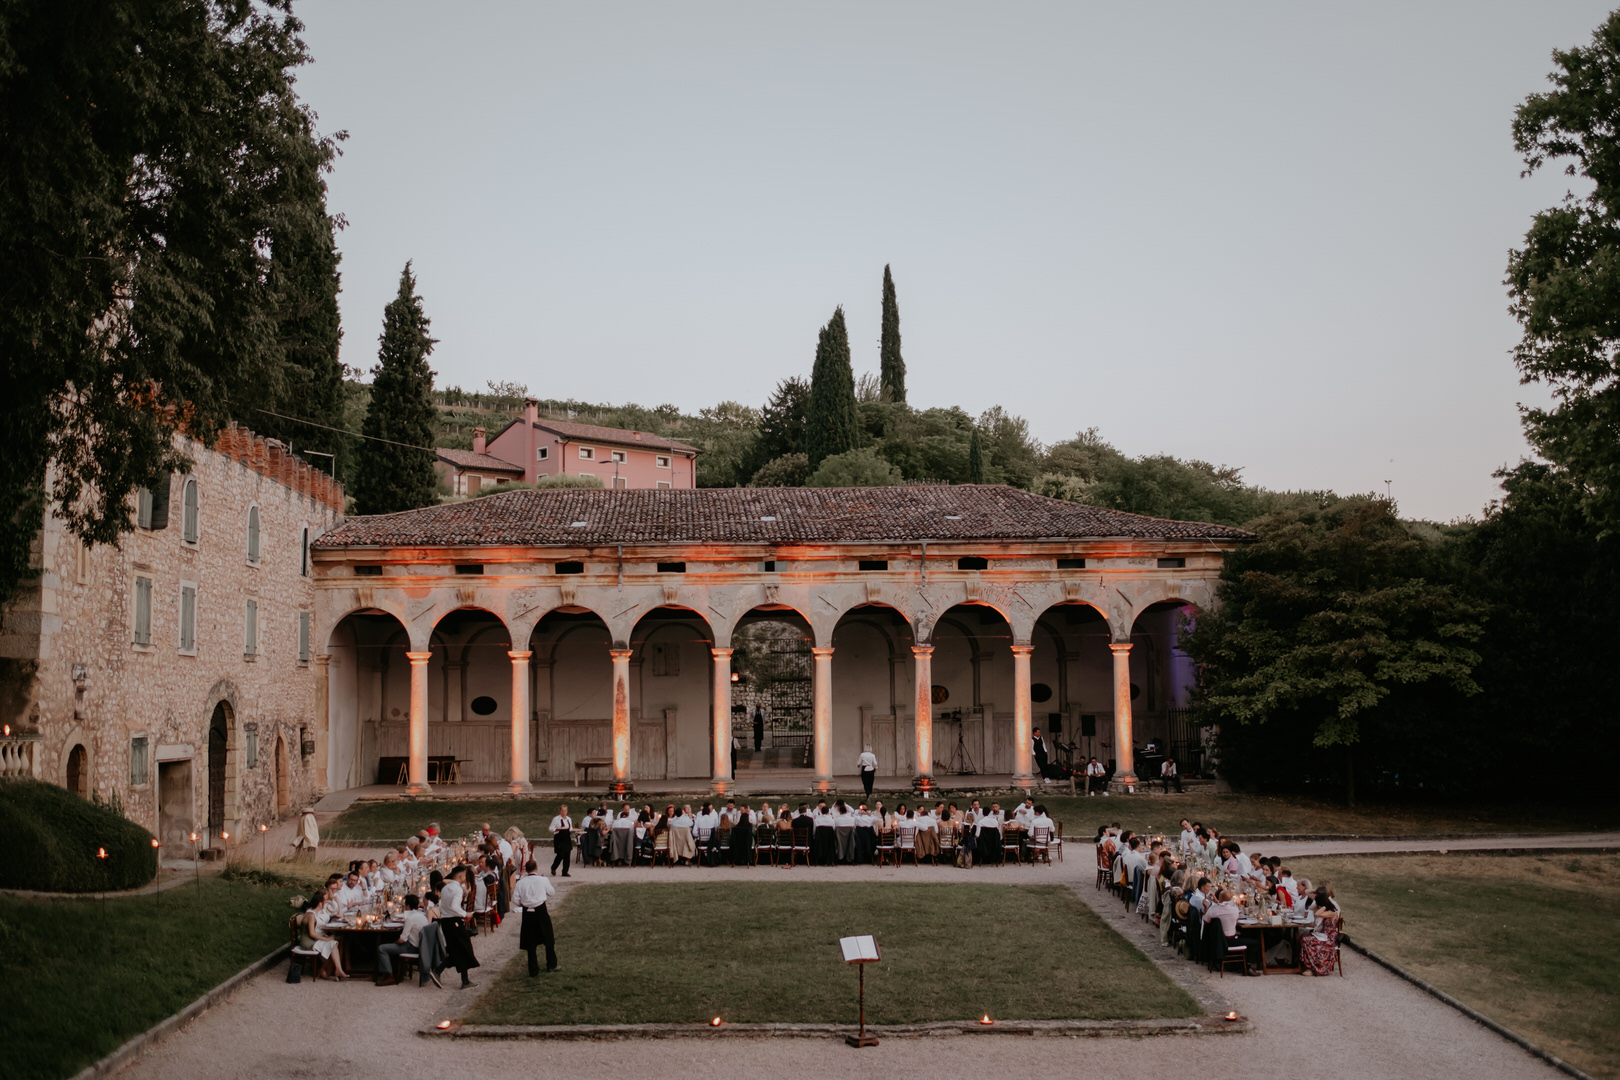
column 1319, row 949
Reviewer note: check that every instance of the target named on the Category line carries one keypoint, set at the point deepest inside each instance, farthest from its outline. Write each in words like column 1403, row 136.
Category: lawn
column 396, row 819
column 1526, row 940
column 764, row 952
column 80, row 983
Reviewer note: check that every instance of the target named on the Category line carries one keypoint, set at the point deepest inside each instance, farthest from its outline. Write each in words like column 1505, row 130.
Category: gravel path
column 1368, row 1024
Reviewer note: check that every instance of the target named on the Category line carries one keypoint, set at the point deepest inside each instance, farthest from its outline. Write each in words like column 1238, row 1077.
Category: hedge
column 53, row 836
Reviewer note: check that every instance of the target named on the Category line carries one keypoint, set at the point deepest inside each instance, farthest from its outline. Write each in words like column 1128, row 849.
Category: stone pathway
column 1368, row 1024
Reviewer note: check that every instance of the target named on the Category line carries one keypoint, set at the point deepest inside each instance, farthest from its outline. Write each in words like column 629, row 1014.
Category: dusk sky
column 1271, row 236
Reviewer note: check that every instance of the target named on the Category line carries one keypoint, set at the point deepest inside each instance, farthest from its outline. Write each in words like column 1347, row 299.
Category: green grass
column 1527, row 941
column 1232, row 814
column 78, row 984
column 768, row 952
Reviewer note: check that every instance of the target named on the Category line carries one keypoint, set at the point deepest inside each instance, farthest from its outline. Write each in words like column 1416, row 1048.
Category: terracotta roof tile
column 587, row 517
column 466, row 459
column 617, row 436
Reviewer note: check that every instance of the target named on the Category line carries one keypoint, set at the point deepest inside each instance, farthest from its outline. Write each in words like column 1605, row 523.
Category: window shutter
column 160, row 506
column 143, row 611
column 190, row 527
column 253, row 534
column 143, row 508
column 303, row 637
column 303, row 552
column 251, row 644
column 188, row 618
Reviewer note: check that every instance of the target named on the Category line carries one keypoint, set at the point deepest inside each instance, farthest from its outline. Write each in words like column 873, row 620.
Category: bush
column 568, row 480
column 856, row 468
column 789, row 470
column 53, row 838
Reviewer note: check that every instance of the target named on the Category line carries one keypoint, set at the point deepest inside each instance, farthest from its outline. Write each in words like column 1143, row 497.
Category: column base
column 923, row 785
column 418, row 789
column 519, row 787
column 1027, row 783
column 823, row 786
column 1124, row 783
column 619, row 789
column 722, row 787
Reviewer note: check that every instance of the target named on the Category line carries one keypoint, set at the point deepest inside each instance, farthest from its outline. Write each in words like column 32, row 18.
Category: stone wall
column 74, row 674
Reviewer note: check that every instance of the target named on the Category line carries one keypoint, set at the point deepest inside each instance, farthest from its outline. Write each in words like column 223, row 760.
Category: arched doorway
column 78, row 771
column 773, row 667
column 973, row 692
column 218, row 751
column 671, row 676
column 283, row 797
column 572, row 697
column 872, row 673
column 368, row 700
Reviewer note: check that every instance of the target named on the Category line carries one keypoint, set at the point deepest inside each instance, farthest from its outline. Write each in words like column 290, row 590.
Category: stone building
column 174, row 670
column 547, row 634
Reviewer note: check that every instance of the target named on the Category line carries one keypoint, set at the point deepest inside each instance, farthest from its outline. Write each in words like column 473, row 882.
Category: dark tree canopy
column 891, row 366
column 831, row 426
column 153, row 156
column 395, row 468
column 782, row 420
column 975, row 462
column 1564, row 283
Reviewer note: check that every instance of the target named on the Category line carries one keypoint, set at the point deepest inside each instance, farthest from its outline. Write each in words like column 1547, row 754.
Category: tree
column 152, row 155
column 1336, row 630
column 1564, row 283
column 855, row 468
column 781, row 421
column 891, row 367
column 395, row 468
column 975, row 459
column 789, row 470
column 830, row 422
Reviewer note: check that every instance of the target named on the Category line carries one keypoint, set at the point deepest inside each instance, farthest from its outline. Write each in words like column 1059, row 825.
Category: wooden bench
column 583, row 767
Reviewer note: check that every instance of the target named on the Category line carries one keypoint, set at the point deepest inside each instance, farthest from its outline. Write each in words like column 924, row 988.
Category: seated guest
column 312, row 935
column 682, row 849
column 844, row 830
column 824, row 841
column 742, row 837
column 351, row 894
column 927, row 839
column 590, row 841
column 432, row 845
column 1042, row 820
column 1302, row 897
column 987, row 835
column 1318, row 948
column 1234, row 864
column 412, row 939
column 389, row 873
column 622, row 842
column 1024, row 813
column 644, row 834
column 1224, row 914
column 704, row 823
column 865, row 835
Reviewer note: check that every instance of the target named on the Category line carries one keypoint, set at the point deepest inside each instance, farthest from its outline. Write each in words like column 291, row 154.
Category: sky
column 1263, row 235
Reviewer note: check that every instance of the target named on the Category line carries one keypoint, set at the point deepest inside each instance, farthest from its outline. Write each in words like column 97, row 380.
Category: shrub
column 789, row 470
column 54, row 836
column 855, row 468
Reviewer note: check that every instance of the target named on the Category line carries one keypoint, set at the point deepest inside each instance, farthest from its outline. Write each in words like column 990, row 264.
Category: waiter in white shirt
column 458, row 948
column 562, row 840
column 530, row 897
column 867, row 763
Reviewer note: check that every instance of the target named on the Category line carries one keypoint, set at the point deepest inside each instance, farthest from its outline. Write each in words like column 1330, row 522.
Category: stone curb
column 1400, row 838
column 163, row 1028
column 1440, row 995
column 1058, row 1028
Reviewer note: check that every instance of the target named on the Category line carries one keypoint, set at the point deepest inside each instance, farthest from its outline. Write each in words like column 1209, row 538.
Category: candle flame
column 715, row 1022
column 155, row 842
column 1231, row 1016
column 444, row 1025
column 101, row 853
column 985, row 1019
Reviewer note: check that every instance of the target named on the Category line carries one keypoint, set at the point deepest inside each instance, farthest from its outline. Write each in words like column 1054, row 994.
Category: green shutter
column 303, row 637
column 188, row 618
column 143, row 611
column 251, row 644
column 253, row 534
column 190, row 527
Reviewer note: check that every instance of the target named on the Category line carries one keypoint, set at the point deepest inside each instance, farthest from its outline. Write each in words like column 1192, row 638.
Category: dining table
column 1268, row 932
column 358, row 944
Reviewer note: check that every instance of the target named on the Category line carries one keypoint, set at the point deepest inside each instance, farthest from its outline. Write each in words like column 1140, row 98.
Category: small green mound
column 55, row 836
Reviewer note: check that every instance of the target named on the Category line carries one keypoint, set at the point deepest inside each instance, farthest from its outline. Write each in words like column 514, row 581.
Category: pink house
column 619, row 458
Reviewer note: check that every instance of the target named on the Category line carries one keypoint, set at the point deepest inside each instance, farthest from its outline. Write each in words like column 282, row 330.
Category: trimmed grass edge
column 1198, row 1025
column 1473, row 1014
column 170, row 1024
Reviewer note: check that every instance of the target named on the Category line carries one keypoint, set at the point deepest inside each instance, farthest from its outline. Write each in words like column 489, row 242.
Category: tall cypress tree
column 891, row 367
column 975, row 459
column 830, row 419
column 398, row 474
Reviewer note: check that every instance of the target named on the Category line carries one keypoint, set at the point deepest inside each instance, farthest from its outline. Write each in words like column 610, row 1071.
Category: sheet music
column 859, row 950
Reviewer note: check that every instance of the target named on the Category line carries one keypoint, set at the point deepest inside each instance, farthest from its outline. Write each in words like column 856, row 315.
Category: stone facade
column 208, row 726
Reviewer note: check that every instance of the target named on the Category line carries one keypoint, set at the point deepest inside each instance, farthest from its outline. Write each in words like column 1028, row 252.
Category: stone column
column 621, row 722
column 419, row 723
column 1023, row 756
column 720, row 721
column 923, row 711
column 823, row 717
column 323, row 719
column 1124, row 751
column 520, row 721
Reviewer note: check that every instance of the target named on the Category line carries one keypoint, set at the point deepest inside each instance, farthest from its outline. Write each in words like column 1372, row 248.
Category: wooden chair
column 801, row 845
column 1055, row 844
column 406, row 964
column 885, row 847
column 1012, row 849
column 1104, row 869
column 661, row 849
column 1040, row 845
column 905, row 839
column 723, row 841
column 308, row 959
column 947, row 843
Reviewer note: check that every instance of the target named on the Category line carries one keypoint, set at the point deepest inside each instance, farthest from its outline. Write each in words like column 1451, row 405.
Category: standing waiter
column 530, row 897
column 562, row 839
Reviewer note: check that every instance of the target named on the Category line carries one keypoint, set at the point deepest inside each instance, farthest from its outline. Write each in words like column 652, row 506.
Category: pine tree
column 830, row 419
column 398, row 474
column 975, row 459
column 891, row 367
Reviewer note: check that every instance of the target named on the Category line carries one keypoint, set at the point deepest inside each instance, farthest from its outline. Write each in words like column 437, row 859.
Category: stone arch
column 1071, row 641
column 469, row 646
column 571, row 688
column 76, row 771
column 672, row 693
column 223, row 746
column 377, row 606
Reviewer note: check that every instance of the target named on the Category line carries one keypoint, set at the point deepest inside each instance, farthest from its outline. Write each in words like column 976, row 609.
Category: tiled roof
column 616, row 436
column 577, row 517
column 466, row 459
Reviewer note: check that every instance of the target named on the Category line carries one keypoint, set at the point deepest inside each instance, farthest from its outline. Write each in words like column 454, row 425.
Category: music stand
column 860, row 951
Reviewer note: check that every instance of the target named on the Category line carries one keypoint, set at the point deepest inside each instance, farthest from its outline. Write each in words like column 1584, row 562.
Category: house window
column 188, row 529
column 542, row 452
column 570, row 568
column 664, row 483
column 253, row 535
column 1172, row 564
column 672, row 568
column 972, row 562
column 188, row 618
column 152, row 507
column 616, row 455
column 620, row 482
column 139, row 770
column 663, row 461
column 874, row 564
column 252, row 747
column 1071, row 564
column 587, row 453
column 143, row 611
column 303, row 552
column 303, row 637
column 250, row 629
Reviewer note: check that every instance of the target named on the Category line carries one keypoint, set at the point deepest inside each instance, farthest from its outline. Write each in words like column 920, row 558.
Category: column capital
column 323, row 659
column 721, row 654
column 620, row 654
column 1119, row 648
column 1022, row 650
column 922, row 650
column 419, row 657
column 519, row 656
column 821, row 650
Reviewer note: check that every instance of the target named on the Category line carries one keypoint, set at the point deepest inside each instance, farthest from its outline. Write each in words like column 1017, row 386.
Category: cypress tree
column 830, row 418
column 891, row 367
column 398, row 474
column 975, row 459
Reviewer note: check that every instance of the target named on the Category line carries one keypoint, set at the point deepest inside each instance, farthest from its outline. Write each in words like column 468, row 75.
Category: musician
column 562, row 840
column 530, row 897
column 1096, row 777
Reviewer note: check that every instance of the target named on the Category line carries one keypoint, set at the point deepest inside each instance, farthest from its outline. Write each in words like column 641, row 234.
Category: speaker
column 1054, row 722
column 1088, row 725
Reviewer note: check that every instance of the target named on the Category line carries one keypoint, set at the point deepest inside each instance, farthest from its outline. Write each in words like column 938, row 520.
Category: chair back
column 801, row 837
column 906, row 835
column 885, row 840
